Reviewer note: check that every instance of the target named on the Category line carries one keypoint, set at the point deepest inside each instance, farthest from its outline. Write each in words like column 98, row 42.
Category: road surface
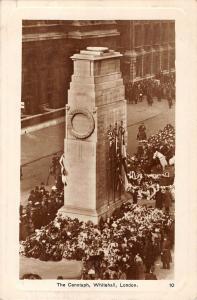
column 38, row 146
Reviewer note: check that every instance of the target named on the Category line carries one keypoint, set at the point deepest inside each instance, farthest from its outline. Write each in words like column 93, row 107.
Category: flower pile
column 143, row 172
column 113, row 244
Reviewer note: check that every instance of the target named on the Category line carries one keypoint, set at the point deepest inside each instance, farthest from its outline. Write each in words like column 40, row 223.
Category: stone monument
column 96, row 99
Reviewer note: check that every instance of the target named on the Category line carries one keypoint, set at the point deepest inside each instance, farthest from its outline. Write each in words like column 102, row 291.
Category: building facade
column 148, row 47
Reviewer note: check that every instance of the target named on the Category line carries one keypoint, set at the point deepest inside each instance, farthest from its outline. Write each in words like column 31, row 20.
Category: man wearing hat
column 151, row 275
column 141, row 132
column 167, row 198
column 159, row 199
column 165, row 253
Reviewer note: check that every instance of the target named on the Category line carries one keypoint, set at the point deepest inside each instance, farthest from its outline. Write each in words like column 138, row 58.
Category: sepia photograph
column 97, row 167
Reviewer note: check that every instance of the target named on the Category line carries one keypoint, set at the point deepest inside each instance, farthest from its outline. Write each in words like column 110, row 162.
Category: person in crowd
column 140, row 94
column 149, row 255
column 135, row 196
column 169, row 97
column 141, row 132
column 41, row 209
column 159, row 93
column 131, row 92
column 165, row 253
column 53, row 168
column 167, row 199
column 139, row 267
column 149, row 96
column 151, row 275
column 31, row 276
column 162, row 86
column 140, row 148
column 159, row 199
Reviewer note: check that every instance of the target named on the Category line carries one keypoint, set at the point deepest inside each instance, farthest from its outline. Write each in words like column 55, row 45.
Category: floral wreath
column 91, row 122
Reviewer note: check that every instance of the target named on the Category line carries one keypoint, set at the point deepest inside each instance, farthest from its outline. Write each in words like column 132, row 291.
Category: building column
column 143, row 53
column 130, row 57
column 152, row 61
column 160, row 57
column 169, row 57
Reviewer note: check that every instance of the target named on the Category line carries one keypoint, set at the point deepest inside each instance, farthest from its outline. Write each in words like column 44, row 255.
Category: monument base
column 92, row 215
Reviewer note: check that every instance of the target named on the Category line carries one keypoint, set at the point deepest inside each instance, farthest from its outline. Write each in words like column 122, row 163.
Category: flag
column 119, row 182
column 115, row 133
column 124, row 151
column 110, row 136
column 126, row 184
column 64, row 172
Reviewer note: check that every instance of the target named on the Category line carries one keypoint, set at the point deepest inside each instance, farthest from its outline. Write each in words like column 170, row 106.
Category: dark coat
column 131, row 272
column 135, row 197
column 166, row 256
column 159, row 200
column 150, row 276
column 167, row 196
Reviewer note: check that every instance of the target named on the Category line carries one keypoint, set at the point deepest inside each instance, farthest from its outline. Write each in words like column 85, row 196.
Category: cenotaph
column 96, row 99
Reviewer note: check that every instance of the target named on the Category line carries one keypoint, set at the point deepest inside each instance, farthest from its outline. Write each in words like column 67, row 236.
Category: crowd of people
column 127, row 244
column 124, row 246
column 145, row 175
column 162, row 142
column 42, row 203
column 41, row 208
column 160, row 87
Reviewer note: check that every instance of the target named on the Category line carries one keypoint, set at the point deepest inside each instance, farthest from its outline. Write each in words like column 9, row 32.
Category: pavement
column 69, row 269
column 165, row 274
column 41, row 143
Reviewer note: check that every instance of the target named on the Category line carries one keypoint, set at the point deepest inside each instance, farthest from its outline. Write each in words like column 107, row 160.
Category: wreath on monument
column 91, row 123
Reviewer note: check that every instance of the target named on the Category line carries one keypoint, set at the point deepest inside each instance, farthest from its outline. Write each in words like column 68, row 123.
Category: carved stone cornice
column 92, row 29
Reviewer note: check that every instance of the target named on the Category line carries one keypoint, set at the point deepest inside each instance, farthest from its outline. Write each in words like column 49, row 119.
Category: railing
column 41, row 118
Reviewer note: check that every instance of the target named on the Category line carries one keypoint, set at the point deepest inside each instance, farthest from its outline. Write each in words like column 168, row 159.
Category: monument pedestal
column 92, row 215
column 95, row 100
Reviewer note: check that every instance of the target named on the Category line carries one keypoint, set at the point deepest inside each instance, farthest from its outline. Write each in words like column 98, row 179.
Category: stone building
column 147, row 47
